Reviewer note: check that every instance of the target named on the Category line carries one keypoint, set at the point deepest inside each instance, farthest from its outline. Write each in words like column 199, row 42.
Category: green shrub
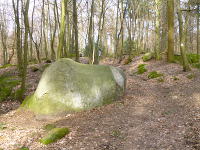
column 197, row 65
column 178, row 59
column 154, row 74
column 193, row 58
column 54, row 135
column 7, row 83
column 141, row 69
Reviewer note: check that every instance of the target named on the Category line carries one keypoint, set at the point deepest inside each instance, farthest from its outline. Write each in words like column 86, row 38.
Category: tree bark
column 170, row 18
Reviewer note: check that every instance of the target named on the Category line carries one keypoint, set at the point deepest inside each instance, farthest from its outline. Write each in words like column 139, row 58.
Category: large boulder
column 68, row 86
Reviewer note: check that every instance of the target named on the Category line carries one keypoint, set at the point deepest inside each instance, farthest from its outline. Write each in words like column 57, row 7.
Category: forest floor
column 153, row 114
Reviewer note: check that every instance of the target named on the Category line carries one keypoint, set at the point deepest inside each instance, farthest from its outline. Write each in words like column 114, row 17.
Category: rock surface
column 67, row 86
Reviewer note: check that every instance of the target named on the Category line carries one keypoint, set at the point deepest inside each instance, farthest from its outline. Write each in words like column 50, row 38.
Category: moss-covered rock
column 154, row 74
column 141, row 69
column 147, row 57
column 54, row 135
column 67, row 86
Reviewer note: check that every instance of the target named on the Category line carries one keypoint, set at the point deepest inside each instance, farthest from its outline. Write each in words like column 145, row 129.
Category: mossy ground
column 54, row 135
column 154, row 74
column 23, row 148
column 191, row 76
column 6, row 66
column 2, row 126
column 141, row 69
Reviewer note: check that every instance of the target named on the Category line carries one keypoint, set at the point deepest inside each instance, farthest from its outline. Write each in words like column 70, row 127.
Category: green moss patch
column 191, row 76
column 2, row 126
column 141, row 69
column 49, row 127
column 147, row 57
column 54, row 135
column 154, row 74
column 161, row 80
column 7, row 84
column 6, row 66
column 175, row 78
column 23, row 148
column 116, row 133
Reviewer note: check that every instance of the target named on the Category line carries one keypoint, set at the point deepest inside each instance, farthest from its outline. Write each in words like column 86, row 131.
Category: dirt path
column 151, row 115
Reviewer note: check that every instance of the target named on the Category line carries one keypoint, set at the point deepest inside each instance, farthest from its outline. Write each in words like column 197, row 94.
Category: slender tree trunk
column 116, row 31
column 198, row 47
column 43, row 29
column 62, row 29
column 157, row 49
column 100, row 30
column 90, row 35
column 75, row 26
column 170, row 17
column 186, row 66
column 26, row 32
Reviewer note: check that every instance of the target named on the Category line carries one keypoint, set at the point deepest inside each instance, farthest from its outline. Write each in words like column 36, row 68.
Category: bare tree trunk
column 91, row 35
column 75, row 26
column 198, row 49
column 170, row 14
column 100, row 30
column 186, row 66
column 62, row 29
column 157, row 49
